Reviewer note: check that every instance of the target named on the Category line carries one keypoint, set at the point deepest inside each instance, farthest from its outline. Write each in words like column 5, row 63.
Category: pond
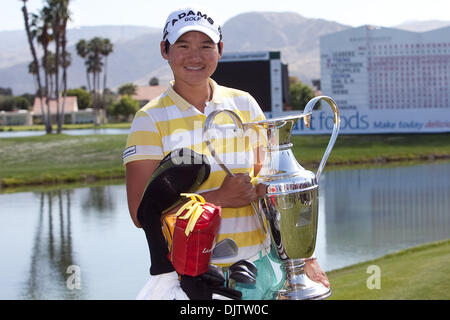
column 47, row 237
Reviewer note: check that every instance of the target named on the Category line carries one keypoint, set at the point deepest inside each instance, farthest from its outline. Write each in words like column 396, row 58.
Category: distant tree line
column 120, row 110
column 8, row 102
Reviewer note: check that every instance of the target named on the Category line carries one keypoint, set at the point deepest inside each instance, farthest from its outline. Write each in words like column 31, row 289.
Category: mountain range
column 136, row 57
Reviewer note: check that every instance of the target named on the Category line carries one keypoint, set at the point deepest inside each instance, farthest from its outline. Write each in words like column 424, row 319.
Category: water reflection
column 371, row 212
column 364, row 214
column 49, row 238
column 98, row 200
column 52, row 251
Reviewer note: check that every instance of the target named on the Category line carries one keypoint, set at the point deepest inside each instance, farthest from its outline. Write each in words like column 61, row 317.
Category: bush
column 29, row 97
column 300, row 95
column 10, row 103
column 127, row 89
column 153, row 81
column 22, row 103
column 7, row 103
column 83, row 97
column 125, row 107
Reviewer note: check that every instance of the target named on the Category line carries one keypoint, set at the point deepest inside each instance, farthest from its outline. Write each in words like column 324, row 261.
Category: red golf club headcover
column 194, row 236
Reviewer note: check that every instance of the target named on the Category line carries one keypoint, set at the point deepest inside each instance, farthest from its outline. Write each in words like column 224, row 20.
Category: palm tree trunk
column 99, row 97
column 64, row 43
column 104, row 81
column 45, row 118
column 56, row 32
column 96, row 109
column 88, row 81
column 45, row 63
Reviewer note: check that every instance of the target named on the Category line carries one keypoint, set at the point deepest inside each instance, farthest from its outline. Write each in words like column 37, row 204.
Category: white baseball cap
column 191, row 19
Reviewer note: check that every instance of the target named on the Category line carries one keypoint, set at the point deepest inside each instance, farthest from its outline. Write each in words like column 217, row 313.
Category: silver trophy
column 291, row 204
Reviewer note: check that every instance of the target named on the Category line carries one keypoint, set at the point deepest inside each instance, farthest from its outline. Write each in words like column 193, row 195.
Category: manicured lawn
column 60, row 159
column 63, row 158
column 419, row 273
column 350, row 149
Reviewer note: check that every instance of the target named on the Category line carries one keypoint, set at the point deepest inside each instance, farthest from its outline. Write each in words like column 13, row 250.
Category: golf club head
column 216, row 272
column 242, row 277
column 250, row 265
column 242, row 268
column 226, row 248
column 214, row 276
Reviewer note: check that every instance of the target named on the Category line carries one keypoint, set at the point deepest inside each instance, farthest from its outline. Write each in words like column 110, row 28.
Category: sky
column 150, row 13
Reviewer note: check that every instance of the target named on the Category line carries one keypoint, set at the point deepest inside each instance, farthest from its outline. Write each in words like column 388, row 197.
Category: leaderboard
column 409, row 75
column 372, row 70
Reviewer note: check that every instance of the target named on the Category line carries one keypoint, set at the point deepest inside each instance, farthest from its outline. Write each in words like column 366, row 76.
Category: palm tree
column 62, row 16
column 95, row 50
column 41, row 30
column 50, row 25
column 82, row 51
column 30, row 37
column 50, row 71
column 96, row 64
column 106, row 50
column 33, row 69
column 95, row 53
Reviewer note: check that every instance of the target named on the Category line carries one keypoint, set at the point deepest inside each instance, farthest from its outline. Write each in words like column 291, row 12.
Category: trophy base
column 298, row 286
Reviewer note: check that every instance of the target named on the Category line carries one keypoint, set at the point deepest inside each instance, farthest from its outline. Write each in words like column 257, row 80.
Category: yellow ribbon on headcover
column 194, row 209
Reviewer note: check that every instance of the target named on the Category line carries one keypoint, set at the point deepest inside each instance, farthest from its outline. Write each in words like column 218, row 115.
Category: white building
column 71, row 112
column 386, row 80
column 16, row 118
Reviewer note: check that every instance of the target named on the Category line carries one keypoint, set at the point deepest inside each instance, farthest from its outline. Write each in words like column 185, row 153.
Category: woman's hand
column 315, row 272
column 235, row 192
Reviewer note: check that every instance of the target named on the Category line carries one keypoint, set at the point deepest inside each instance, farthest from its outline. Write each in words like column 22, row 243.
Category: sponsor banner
column 373, row 122
column 245, row 56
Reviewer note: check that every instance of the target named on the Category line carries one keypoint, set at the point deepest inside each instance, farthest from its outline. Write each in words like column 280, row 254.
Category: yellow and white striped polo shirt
column 170, row 122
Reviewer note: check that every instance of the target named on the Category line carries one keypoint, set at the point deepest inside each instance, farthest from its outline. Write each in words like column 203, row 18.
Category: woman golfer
column 192, row 45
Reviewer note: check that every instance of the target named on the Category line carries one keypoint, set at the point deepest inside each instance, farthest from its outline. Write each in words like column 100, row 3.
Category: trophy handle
column 208, row 124
column 307, row 112
column 238, row 123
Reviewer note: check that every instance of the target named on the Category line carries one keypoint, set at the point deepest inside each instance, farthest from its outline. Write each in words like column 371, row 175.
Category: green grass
column 62, row 158
column 351, row 149
column 418, row 273
column 51, row 159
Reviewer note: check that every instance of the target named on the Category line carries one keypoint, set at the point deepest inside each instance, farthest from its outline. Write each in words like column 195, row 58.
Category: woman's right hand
column 236, row 191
